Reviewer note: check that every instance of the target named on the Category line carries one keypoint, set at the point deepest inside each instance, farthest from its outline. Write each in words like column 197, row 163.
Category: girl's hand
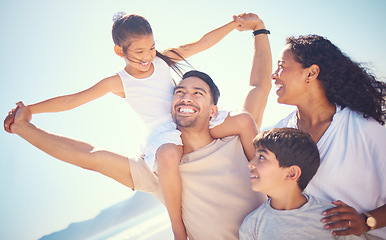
column 10, row 119
column 346, row 217
column 248, row 21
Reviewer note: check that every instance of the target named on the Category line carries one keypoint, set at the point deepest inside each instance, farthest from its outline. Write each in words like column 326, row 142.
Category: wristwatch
column 370, row 220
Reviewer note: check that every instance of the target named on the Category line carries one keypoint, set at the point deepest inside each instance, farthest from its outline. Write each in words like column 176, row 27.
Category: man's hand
column 248, row 21
column 21, row 114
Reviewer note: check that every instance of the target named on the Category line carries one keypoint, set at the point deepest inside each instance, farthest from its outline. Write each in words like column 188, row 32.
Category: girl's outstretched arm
column 205, row 42
column 62, row 103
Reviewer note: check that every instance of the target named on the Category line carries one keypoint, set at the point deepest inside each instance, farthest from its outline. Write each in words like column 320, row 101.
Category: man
column 216, row 192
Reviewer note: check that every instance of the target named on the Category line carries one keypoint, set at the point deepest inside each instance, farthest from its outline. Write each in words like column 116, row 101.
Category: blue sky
column 51, row 48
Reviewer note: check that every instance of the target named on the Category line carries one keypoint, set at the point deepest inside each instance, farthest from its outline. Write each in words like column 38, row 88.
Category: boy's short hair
column 292, row 147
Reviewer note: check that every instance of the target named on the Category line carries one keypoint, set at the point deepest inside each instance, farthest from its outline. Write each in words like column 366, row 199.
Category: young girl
column 147, row 85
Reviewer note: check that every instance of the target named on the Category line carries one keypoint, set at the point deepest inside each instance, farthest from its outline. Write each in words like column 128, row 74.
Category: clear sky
column 51, row 48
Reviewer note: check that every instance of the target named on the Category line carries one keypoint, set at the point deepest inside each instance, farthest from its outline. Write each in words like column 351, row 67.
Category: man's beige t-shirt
column 216, row 189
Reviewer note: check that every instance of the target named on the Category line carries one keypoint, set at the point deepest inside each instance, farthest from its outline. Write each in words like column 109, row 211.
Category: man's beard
column 185, row 122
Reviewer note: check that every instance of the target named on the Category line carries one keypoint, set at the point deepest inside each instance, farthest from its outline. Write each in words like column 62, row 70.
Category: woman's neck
column 314, row 117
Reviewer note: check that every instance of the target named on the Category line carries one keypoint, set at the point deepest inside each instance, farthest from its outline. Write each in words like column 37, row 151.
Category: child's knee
column 247, row 121
column 168, row 155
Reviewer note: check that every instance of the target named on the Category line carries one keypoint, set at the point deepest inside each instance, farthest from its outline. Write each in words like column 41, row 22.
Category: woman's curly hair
column 345, row 82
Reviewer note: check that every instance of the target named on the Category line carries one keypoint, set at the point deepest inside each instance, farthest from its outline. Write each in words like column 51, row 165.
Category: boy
column 286, row 160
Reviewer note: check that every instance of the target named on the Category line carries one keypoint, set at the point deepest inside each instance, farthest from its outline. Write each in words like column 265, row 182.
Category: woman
column 342, row 107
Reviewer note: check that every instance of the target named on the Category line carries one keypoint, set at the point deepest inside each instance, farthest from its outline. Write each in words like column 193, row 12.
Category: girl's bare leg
column 168, row 160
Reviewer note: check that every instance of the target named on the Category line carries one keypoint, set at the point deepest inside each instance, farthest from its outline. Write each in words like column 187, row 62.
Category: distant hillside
column 110, row 219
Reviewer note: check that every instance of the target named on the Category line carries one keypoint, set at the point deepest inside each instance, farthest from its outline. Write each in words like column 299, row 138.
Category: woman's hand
column 346, row 217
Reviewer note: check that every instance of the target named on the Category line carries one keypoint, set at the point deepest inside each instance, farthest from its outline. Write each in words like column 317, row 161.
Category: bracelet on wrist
column 261, row 31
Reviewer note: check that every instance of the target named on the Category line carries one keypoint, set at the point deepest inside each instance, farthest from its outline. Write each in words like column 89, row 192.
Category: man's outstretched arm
column 72, row 151
column 260, row 78
column 248, row 125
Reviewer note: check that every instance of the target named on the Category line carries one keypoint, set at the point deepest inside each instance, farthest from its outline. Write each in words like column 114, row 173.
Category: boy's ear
column 294, row 173
column 119, row 51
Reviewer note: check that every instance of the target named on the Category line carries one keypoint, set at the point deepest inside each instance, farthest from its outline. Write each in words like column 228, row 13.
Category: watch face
column 371, row 222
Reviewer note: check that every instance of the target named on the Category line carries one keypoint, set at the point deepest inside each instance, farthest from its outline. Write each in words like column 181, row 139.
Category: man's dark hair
column 214, row 91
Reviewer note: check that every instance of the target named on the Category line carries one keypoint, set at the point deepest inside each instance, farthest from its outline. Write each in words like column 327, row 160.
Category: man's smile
column 186, row 109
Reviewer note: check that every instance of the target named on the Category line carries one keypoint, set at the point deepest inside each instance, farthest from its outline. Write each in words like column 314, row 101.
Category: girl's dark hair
column 345, row 82
column 292, row 147
column 131, row 26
